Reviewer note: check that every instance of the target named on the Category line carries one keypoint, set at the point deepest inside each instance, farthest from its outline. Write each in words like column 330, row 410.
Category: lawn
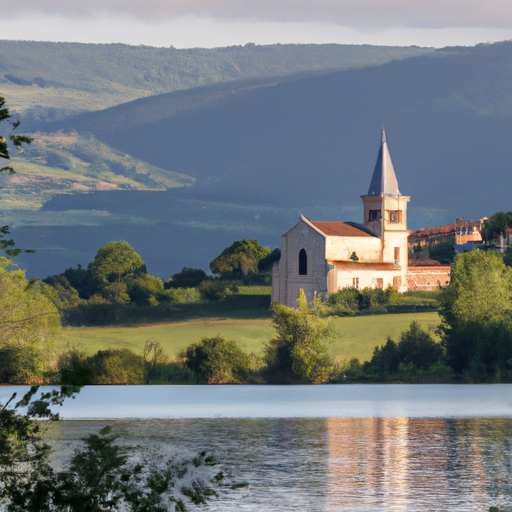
column 356, row 336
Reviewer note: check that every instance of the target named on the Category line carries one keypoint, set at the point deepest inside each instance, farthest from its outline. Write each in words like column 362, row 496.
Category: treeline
column 475, row 341
column 351, row 301
column 116, row 286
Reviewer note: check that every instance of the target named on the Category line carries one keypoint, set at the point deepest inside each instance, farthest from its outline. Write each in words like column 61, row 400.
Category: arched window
column 303, row 263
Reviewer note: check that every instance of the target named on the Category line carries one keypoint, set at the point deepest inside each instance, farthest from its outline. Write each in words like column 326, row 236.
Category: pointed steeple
column 384, row 179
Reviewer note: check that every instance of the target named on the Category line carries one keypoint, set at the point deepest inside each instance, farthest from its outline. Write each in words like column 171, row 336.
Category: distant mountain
column 54, row 80
column 313, row 141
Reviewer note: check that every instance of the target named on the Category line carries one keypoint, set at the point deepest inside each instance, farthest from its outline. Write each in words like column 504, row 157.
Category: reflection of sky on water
column 339, row 464
column 353, row 401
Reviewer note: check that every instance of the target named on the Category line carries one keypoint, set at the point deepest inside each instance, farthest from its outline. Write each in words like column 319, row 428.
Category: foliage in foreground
column 102, row 475
column 28, row 323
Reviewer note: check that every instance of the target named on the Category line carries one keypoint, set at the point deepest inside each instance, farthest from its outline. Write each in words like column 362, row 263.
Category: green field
column 356, row 336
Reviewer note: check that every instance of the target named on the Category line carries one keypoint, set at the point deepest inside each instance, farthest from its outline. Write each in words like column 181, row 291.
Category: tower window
column 395, row 216
column 303, row 263
column 374, row 215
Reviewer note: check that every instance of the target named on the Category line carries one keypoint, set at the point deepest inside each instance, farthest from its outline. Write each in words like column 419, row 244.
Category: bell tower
column 385, row 209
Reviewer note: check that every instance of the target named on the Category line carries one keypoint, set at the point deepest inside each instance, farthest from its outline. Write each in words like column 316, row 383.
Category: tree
column 217, row 361
column 114, row 261
column 17, row 141
column 417, row 347
column 187, row 278
column 28, row 323
column 238, row 260
column 496, row 224
column 299, row 352
column 476, row 312
column 145, row 289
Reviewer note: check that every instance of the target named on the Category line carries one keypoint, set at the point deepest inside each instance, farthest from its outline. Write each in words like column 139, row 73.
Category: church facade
column 324, row 257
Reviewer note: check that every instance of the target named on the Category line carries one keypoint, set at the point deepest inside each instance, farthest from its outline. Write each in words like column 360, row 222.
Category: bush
column 75, row 368
column 145, row 289
column 187, row 278
column 217, row 290
column 20, row 364
column 114, row 293
column 416, row 357
column 183, row 295
column 341, row 303
column 217, row 361
column 119, row 366
column 299, row 352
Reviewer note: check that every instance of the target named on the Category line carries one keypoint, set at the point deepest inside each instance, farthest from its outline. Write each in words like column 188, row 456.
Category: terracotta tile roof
column 426, row 262
column 432, row 270
column 340, row 229
column 437, row 230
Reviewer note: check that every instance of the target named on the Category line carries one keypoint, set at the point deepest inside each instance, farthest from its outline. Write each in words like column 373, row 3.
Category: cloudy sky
column 210, row 23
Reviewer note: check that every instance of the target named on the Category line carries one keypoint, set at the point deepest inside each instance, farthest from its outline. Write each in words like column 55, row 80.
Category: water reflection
column 340, row 464
column 418, row 464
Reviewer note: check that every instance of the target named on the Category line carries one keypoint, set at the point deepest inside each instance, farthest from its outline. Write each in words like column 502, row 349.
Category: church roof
column 384, row 179
column 340, row 229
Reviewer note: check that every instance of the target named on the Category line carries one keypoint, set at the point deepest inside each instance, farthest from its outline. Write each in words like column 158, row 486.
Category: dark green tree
column 417, row 347
column 496, row 224
column 476, row 312
column 238, row 260
column 217, row 360
column 187, row 278
column 299, row 351
column 113, row 262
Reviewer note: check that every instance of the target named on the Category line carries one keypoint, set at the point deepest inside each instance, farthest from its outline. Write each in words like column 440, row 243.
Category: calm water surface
column 323, row 448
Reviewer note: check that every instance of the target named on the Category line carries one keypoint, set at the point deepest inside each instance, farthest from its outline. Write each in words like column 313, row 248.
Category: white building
column 323, row 257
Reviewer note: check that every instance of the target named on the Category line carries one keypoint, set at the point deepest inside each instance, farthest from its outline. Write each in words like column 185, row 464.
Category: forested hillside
column 54, row 80
column 313, row 141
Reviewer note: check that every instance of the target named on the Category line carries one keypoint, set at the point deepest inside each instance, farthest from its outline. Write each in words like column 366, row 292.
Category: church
column 324, row 257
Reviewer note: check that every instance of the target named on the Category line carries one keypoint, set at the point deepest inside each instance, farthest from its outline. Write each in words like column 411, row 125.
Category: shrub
column 187, row 278
column 114, row 293
column 217, row 290
column 217, row 361
column 183, row 295
column 75, row 368
column 119, row 366
column 145, row 289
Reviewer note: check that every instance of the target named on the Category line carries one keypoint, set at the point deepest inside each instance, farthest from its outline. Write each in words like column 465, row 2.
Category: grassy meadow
column 355, row 336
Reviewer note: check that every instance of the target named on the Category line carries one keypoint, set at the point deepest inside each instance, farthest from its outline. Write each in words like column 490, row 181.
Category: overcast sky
column 210, row 23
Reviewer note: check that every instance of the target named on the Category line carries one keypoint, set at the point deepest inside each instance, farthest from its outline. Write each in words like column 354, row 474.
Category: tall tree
column 114, row 261
column 235, row 262
column 28, row 323
column 299, row 352
column 476, row 312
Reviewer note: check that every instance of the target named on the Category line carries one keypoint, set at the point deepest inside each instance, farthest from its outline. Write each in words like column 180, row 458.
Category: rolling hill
column 45, row 80
column 313, row 141
column 263, row 150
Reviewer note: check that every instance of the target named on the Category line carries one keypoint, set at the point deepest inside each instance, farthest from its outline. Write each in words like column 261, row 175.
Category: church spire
column 384, row 179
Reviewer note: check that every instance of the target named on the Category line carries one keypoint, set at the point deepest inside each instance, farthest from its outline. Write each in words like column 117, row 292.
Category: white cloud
column 354, row 13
